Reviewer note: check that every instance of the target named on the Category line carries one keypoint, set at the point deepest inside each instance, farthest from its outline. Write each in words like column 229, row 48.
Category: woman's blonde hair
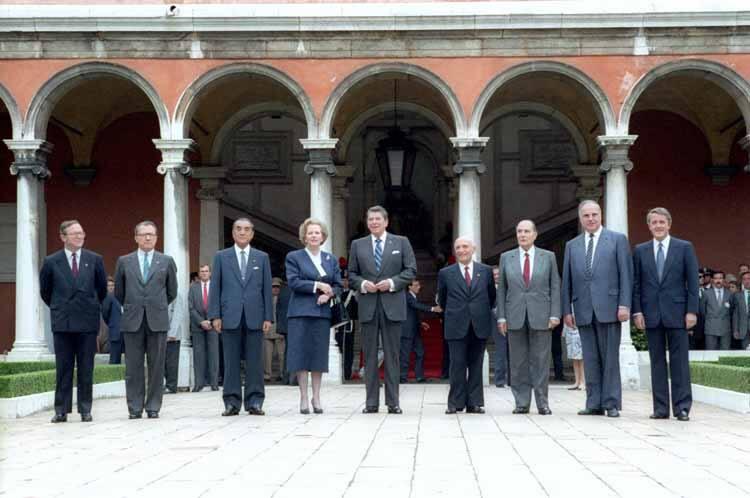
column 312, row 221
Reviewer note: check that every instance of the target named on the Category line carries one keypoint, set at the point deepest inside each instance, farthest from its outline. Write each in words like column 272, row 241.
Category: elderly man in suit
column 205, row 339
column 528, row 308
column 73, row 284
column 411, row 333
column 145, row 284
column 741, row 317
column 716, row 308
column 596, row 298
column 466, row 293
column 381, row 266
column 665, row 304
column 240, row 308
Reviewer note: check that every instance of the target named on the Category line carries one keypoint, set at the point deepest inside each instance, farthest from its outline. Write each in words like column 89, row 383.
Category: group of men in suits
column 723, row 314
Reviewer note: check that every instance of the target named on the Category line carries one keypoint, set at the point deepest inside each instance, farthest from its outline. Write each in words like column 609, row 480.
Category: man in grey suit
column 741, row 318
column 596, row 297
column 381, row 266
column 716, row 308
column 145, row 284
column 528, row 308
column 240, row 308
column 205, row 338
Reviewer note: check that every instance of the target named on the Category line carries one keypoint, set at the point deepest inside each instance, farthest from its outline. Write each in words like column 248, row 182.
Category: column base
column 185, row 369
column 28, row 352
column 335, row 373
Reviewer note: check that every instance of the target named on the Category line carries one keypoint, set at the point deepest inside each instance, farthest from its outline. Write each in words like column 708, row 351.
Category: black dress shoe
column 474, row 409
column 152, row 414
column 370, row 409
column 403, row 381
column 58, row 418
column 214, row 388
column 395, row 410
column 421, row 380
column 317, row 411
column 450, row 411
column 254, row 410
column 500, row 385
column 613, row 412
column 520, row 411
column 591, row 411
column 545, row 411
column 230, row 411
column 133, row 416
column 198, row 389
column 683, row 416
column 656, row 416
column 86, row 417
column 304, row 411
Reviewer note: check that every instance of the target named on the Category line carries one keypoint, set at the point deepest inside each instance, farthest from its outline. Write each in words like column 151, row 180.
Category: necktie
column 74, row 266
column 718, row 295
column 747, row 302
column 243, row 264
column 146, row 267
column 378, row 254
column 467, row 276
column 526, row 270
column 660, row 261
column 205, row 296
column 589, row 255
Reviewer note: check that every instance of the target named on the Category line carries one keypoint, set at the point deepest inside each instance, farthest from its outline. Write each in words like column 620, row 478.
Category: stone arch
column 329, row 110
column 55, row 88
column 544, row 110
column 15, row 116
column 603, row 108
column 191, row 95
column 731, row 82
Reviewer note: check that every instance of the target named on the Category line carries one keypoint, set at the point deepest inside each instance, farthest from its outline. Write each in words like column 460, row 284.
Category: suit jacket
column 198, row 313
column 741, row 315
column 668, row 301
column 74, row 303
column 230, row 296
column 717, row 315
column 410, row 327
column 539, row 302
column 111, row 314
column 150, row 298
column 282, row 310
column 301, row 275
column 398, row 264
column 465, row 306
column 611, row 285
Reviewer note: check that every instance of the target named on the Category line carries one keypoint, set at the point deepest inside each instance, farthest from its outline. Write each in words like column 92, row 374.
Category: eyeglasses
column 75, row 234
column 146, row 235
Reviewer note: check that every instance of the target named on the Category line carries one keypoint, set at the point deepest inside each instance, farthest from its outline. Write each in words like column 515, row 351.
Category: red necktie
column 467, row 277
column 205, row 296
column 74, row 266
column 526, row 270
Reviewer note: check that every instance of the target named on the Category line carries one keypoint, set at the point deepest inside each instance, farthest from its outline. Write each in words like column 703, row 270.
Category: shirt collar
column 470, row 265
column 597, row 233
column 69, row 253
column 141, row 254
column 530, row 251
column 317, row 258
column 382, row 237
column 237, row 249
column 664, row 243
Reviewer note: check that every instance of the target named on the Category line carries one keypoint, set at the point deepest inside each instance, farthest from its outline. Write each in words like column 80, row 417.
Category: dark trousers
column 74, row 350
column 446, row 364
column 409, row 344
column 529, row 365
column 718, row 342
column 172, row 365
column 153, row 346
column 345, row 343
column 221, row 360
column 659, row 339
column 206, row 358
column 500, row 358
column 557, row 360
column 115, row 352
column 601, row 362
column 390, row 336
column 467, row 357
column 243, row 344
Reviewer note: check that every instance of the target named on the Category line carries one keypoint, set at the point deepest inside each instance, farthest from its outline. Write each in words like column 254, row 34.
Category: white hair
column 464, row 238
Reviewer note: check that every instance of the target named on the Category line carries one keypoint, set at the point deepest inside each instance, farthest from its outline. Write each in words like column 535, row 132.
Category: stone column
column 212, row 221
column 30, row 168
column 745, row 144
column 176, row 170
column 339, row 231
column 616, row 164
column 469, row 167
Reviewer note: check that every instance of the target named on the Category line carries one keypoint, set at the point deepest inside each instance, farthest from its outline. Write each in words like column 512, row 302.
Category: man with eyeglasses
column 73, row 284
column 145, row 284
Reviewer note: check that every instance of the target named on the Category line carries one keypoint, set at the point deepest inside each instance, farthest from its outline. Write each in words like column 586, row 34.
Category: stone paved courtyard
column 191, row 451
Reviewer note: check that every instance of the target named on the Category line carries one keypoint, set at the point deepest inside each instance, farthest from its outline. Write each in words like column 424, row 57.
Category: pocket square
column 396, row 252
column 256, row 267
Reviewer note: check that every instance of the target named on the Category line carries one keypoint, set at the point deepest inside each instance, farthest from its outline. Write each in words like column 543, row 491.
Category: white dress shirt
column 664, row 246
column 382, row 238
column 531, row 252
column 237, row 251
column 597, row 234
column 471, row 269
column 317, row 262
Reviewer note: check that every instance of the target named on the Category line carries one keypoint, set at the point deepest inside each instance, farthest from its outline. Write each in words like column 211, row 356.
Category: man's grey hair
column 533, row 225
column 146, row 223
column 587, row 202
column 464, row 238
column 245, row 220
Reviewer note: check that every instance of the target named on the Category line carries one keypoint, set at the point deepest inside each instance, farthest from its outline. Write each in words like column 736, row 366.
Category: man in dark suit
column 411, row 333
column 466, row 293
column 597, row 293
column 716, row 308
column 145, row 284
column 345, row 333
column 240, row 308
column 381, row 266
column 73, row 284
column 111, row 313
column 204, row 338
column 741, row 318
column 665, row 304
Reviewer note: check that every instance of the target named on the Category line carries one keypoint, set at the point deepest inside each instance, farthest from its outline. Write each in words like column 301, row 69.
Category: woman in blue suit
column 314, row 278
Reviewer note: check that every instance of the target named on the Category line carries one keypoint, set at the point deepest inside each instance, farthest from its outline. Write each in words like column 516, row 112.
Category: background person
column 204, row 338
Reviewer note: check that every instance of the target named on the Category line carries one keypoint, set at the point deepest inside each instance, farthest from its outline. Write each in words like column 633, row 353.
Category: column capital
column 615, row 152
column 589, row 181
column 30, row 156
column 469, row 152
column 174, row 155
column 745, row 144
column 319, row 159
column 210, row 192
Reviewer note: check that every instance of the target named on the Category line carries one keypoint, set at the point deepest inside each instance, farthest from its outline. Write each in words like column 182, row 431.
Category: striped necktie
column 378, row 254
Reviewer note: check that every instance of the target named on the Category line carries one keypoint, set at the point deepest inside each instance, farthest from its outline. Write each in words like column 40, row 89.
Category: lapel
column 388, row 248
column 651, row 263
column 476, row 282
column 537, row 266
column 669, row 259
column 461, row 281
column 603, row 242
column 62, row 261
column 311, row 270
column 515, row 267
column 135, row 264
column 156, row 263
column 230, row 258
